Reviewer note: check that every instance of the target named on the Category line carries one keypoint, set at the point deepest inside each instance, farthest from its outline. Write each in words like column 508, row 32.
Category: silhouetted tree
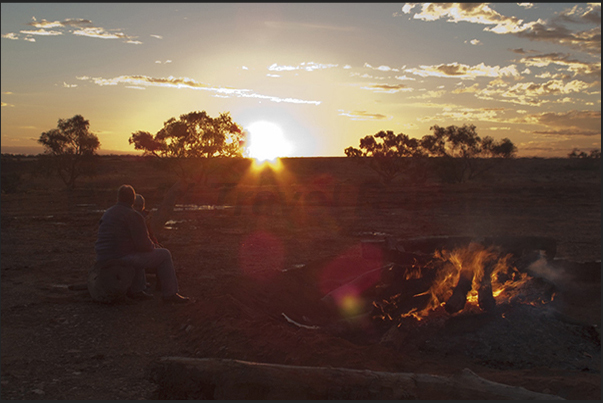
column 187, row 143
column 463, row 152
column 69, row 148
column 460, row 153
column 385, row 153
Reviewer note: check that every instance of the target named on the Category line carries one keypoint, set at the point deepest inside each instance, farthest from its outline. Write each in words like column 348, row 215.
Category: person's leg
column 160, row 260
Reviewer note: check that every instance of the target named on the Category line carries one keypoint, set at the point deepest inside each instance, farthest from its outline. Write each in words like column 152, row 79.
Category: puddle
column 196, row 207
column 372, row 233
column 171, row 224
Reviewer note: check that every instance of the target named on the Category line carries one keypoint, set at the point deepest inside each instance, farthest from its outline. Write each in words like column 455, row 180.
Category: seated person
column 123, row 236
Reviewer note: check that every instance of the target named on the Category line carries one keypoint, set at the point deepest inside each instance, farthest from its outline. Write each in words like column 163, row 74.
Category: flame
column 473, row 262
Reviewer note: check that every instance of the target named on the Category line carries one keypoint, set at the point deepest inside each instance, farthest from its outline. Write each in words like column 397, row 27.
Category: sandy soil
column 246, row 266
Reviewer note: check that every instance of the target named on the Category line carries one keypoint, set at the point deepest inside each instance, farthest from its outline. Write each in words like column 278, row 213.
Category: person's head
column 139, row 202
column 126, row 194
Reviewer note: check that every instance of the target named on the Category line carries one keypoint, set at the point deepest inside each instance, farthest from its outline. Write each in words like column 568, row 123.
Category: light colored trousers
column 159, row 261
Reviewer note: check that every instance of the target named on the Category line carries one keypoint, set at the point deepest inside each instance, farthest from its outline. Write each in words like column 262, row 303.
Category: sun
column 266, row 142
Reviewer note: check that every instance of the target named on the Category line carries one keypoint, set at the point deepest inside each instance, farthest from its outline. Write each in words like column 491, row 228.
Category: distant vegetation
column 68, row 149
column 594, row 154
column 460, row 153
column 184, row 145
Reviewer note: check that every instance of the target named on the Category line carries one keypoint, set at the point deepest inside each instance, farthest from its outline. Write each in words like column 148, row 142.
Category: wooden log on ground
column 225, row 379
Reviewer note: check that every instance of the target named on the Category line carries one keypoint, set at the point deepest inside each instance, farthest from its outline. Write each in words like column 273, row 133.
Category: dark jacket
column 121, row 231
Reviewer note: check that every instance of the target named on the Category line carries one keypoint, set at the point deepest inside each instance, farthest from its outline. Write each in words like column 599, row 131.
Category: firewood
column 225, row 379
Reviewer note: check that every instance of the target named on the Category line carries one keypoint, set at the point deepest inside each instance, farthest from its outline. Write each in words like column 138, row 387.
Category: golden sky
column 319, row 75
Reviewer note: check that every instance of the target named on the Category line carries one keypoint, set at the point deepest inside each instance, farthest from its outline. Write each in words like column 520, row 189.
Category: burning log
column 485, row 299
column 459, row 295
column 212, row 378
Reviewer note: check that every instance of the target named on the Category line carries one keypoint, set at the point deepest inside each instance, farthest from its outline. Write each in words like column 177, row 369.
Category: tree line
column 187, row 144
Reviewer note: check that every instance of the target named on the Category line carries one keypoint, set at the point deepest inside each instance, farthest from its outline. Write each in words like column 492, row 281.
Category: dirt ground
column 254, row 268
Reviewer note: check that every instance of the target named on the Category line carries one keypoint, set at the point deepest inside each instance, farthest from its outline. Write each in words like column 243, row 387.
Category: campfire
column 471, row 278
column 440, row 277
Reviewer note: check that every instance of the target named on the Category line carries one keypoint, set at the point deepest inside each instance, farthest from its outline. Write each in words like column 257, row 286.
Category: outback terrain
column 258, row 251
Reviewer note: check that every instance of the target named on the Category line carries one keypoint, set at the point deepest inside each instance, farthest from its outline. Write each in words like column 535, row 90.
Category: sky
column 313, row 78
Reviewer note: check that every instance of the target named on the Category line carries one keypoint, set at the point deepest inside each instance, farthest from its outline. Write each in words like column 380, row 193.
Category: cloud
column 405, row 78
column 465, row 72
column 11, row 35
column 387, row 88
column 3, row 104
column 466, row 115
column 185, row 82
column 525, row 5
column 563, row 124
column 430, row 94
column 532, row 93
column 474, row 42
column 56, row 24
column 363, row 115
column 42, row 32
column 381, row 68
column 157, row 36
column 308, row 66
column 65, row 85
column 549, row 31
column 96, row 32
column 579, row 14
column 574, row 66
column 79, row 27
column 473, row 89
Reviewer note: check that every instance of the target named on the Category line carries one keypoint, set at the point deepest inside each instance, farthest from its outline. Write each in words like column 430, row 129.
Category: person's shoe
column 140, row 295
column 176, row 299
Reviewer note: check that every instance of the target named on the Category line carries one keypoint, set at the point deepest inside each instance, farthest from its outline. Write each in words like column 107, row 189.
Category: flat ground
column 246, row 265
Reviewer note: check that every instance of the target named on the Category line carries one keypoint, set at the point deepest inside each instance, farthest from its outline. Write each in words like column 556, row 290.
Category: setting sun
column 267, row 142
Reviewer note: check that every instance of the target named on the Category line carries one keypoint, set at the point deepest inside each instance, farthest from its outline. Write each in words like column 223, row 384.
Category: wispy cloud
column 79, row 27
column 11, row 35
column 4, row 104
column 465, row 72
column 185, row 82
column 572, row 65
column 57, row 24
column 157, row 36
column 307, row 66
column 381, row 68
column 387, row 88
column 466, row 115
column 563, row 124
column 525, row 5
column 363, row 115
column 549, row 31
column 42, row 32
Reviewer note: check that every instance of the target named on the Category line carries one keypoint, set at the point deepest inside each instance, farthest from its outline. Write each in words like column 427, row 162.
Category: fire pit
column 493, row 299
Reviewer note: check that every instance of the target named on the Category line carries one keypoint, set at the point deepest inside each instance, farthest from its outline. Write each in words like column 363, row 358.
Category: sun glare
column 266, row 142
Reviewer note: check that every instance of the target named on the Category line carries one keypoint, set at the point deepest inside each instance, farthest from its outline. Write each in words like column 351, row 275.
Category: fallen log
column 226, row 379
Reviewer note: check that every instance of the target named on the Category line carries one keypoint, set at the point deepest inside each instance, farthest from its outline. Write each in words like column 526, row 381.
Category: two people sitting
column 123, row 238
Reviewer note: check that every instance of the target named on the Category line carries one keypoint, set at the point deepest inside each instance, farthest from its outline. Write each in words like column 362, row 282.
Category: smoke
column 542, row 269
